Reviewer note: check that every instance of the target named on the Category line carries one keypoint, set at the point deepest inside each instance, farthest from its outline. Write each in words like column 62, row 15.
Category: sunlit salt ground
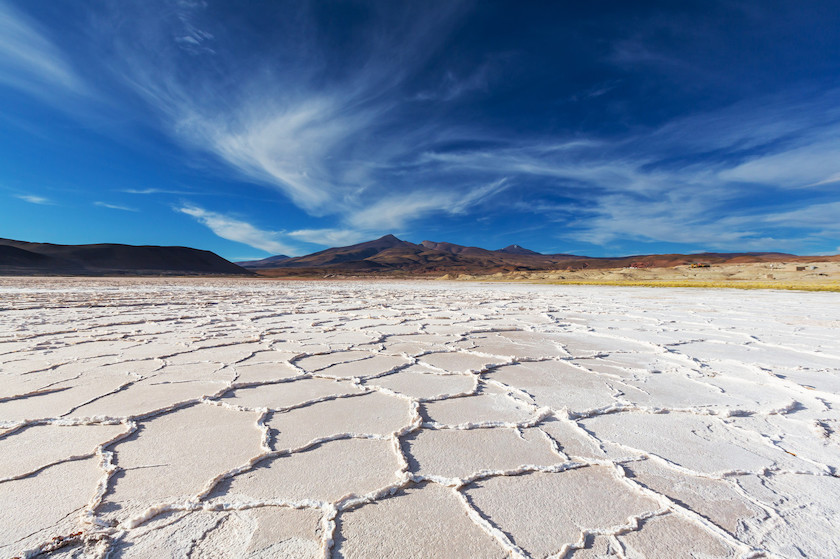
column 194, row 418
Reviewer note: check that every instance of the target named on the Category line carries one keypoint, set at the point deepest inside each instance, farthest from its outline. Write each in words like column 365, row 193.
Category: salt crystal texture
column 239, row 418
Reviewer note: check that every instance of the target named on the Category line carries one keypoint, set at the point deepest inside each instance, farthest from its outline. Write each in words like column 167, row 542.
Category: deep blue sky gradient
column 253, row 128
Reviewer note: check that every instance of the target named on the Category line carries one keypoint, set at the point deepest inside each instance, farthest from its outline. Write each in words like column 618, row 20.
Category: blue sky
column 257, row 128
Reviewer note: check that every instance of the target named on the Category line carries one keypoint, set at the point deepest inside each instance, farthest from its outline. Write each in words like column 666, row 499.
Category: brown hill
column 24, row 258
column 389, row 254
column 457, row 249
column 516, row 249
column 392, row 256
column 269, row 262
column 349, row 256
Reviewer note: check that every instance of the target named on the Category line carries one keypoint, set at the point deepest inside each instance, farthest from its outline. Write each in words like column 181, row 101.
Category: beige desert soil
column 768, row 275
column 196, row 418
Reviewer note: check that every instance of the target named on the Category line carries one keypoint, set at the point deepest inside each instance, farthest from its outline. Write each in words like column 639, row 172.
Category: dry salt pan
column 188, row 418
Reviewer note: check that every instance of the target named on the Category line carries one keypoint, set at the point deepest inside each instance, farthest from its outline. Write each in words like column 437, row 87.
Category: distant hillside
column 387, row 255
column 457, row 249
column 361, row 255
column 516, row 249
column 269, row 262
column 23, row 258
column 390, row 255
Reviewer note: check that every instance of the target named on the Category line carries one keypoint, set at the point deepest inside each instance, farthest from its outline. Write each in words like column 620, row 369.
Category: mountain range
column 390, row 255
column 24, row 258
column 387, row 256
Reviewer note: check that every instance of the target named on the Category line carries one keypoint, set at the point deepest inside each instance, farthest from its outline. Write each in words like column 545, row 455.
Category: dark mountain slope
column 332, row 257
column 21, row 257
column 516, row 249
column 269, row 262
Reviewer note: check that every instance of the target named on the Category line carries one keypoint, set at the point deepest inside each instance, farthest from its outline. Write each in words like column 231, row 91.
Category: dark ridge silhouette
column 14, row 256
column 24, row 258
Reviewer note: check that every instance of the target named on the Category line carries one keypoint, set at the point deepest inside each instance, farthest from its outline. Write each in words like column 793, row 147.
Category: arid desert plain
column 259, row 418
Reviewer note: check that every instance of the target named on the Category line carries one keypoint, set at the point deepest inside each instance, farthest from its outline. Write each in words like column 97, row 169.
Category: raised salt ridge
column 240, row 418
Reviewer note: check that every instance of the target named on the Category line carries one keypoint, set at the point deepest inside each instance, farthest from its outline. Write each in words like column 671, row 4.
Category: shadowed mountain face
column 23, row 258
column 456, row 249
column 360, row 256
column 516, row 249
column 392, row 255
column 269, row 262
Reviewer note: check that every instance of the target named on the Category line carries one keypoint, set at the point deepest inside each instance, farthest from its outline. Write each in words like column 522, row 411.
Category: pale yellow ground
column 818, row 276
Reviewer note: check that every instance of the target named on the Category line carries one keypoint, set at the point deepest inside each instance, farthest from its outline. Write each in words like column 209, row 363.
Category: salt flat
column 239, row 418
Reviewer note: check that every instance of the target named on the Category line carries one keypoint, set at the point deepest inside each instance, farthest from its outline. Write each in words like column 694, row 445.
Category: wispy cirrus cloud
column 238, row 230
column 822, row 217
column 333, row 140
column 395, row 212
column 340, row 138
column 382, row 126
column 30, row 62
column 453, row 86
column 115, row 206
column 275, row 242
column 150, row 191
column 694, row 179
column 329, row 237
column 33, row 199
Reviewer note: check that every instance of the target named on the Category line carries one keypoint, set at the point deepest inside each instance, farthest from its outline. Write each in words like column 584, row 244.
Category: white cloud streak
column 324, row 137
column 824, row 216
column 115, row 207
column 29, row 62
column 32, row 199
column 345, row 142
column 394, row 212
column 816, row 163
column 238, row 230
column 148, row 191
column 289, row 148
column 329, row 237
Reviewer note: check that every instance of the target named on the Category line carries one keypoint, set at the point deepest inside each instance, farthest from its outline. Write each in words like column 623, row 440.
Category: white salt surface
column 222, row 418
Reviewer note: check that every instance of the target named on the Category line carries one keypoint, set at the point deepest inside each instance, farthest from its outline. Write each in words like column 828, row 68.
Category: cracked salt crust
column 425, row 521
column 37, row 508
column 371, row 413
column 200, row 418
column 542, row 513
column 173, row 455
column 286, row 395
column 491, row 404
column 38, row 446
column 671, row 536
column 418, row 382
column 457, row 361
column 716, row 499
column 365, row 466
column 513, row 344
column 556, row 384
column 265, row 533
column 459, row 453
column 370, row 366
